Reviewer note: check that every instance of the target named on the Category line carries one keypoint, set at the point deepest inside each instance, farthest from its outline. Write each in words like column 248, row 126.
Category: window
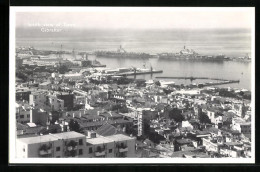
column 110, row 150
column 57, row 149
column 80, row 151
column 80, row 142
column 21, row 116
column 90, row 150
column 28, row 116
column 24, row 149
column 57, row 156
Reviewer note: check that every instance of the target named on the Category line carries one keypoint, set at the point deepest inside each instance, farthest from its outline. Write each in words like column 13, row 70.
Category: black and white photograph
column 132, row 85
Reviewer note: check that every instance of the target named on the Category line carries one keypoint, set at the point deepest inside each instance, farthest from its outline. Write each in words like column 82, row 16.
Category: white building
column 114, row 146
column 67, row 144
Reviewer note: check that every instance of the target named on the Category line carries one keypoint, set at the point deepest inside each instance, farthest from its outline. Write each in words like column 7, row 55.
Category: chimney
column 73, row 115
column 98, row 113
column 80, row 114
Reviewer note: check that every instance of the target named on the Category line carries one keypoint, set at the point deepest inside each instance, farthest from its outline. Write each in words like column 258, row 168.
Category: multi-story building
column 116, row 146
column 22, row 94
column 38, row 99
column 22, row 113
column 55, row 103
column 211, row 145
column 241, row 125
column 61, row 145
column 42, row 100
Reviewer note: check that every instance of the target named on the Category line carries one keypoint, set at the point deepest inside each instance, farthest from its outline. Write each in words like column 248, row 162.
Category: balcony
column 45, row 152
column 100, row 153
column 123, row 149
column 70, row 148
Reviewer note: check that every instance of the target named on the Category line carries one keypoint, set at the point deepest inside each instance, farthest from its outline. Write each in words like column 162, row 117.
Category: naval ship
column 190, row 54
column 122, row 53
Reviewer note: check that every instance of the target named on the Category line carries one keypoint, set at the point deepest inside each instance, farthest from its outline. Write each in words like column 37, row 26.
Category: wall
column 26, row 116
column 68, row 100
column 19, row 149
column 32, row 150
column 55, row 103
column 38, row 117
column 38, row 99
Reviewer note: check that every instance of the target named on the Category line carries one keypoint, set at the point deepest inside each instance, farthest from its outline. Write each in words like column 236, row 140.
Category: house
column 231, row 149
column 238, row 108
column 22, row 94
column 22, row 112
column 211, row 145
column 241, row 125
column 20, row 128
column 215, row 116
column 38, row 99
column 181, row 144
column 55, row 103
column 108, row 130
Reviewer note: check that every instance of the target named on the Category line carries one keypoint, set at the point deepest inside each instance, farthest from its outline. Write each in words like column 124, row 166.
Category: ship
column 246, row 58
column 85, row 62
column 190, row 54
column 122, row 53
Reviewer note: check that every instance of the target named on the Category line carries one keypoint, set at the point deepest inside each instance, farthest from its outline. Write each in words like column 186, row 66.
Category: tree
column 63, row 69
column 157, row 83
column 175, row 114
column 167, row 91
column 54, row 117
column 204, row 118
column 155, row 137
column 74, row 126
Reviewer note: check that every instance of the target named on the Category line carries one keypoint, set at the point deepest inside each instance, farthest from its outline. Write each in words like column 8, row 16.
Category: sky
column 140, row 18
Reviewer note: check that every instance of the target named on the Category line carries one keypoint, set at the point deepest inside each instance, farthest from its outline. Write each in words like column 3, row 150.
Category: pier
column 222, row 81
column 190, row 78
column 139, row 73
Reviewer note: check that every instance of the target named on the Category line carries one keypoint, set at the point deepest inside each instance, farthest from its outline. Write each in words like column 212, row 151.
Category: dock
column 139, row 73
column 222, row 81
column 190, row 78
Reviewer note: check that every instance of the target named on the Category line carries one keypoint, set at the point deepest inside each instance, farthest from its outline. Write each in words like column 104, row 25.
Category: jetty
column 132, row 73
column 222, row 81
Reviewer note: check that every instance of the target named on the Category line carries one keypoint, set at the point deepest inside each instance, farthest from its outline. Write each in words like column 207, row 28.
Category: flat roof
column 45, row 83
column 98, row 140
column 51, row 137
column 38, row 139
column 119, row 137
column 68, row 135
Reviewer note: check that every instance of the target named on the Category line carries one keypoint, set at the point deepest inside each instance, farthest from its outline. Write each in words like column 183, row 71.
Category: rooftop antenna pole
column 73, row 53
column 60, row 50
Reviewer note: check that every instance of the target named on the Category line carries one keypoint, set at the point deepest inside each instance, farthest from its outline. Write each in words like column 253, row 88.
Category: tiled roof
column 21, row 126
column 106, row 130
